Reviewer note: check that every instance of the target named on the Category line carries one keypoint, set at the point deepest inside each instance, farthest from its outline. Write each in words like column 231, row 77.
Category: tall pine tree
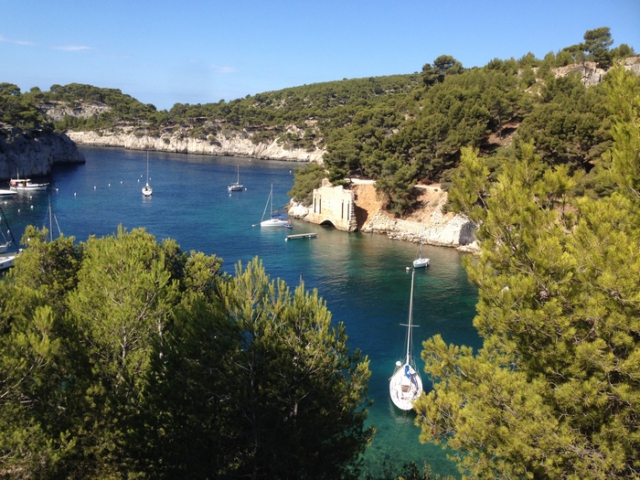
column 554, row 392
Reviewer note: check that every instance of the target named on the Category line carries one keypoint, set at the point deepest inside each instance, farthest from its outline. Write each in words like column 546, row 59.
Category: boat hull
column 405, row 387
column 235, row 188
column 273, row 222
column 6, row 261
column 28, row 188
column 421, row 263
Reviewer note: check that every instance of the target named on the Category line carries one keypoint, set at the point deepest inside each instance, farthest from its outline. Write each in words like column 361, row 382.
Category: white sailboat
column 147, row 191
column 421, row 262
column 405, row 385
column 236, row 186
column 273, row 220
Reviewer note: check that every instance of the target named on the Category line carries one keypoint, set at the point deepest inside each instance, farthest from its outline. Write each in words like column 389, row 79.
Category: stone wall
column 333, row 205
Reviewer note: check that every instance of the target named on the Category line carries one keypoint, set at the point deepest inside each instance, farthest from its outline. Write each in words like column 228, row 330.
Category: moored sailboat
column 236, row 186
column 147, row 191
column 405, row 385
column 421, row 262
column 273, row 220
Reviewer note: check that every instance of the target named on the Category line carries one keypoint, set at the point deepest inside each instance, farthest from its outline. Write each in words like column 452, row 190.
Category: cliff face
column 33, row 152
column 235, row 145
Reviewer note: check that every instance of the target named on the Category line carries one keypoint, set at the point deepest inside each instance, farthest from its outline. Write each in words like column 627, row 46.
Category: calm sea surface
column 362, row 277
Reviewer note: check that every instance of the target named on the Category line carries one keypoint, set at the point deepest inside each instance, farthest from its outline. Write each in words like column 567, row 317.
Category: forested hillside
column 398, row 130
column 554, row 392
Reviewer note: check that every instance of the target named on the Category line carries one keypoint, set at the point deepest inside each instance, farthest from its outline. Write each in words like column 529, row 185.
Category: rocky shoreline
column 236, row 145
column 428, row 222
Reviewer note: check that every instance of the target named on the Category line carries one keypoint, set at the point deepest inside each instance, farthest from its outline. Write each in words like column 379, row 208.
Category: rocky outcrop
column 56, row 111
column 33, row 152
column 592, row 74
column 429, row 221
column 238, row 145
column 632, row 64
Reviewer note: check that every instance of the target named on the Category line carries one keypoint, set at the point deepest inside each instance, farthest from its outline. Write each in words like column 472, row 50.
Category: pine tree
column 554, row 392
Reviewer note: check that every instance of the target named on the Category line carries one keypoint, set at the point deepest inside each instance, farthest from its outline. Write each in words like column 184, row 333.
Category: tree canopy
column 124, row 357
column 554, row 392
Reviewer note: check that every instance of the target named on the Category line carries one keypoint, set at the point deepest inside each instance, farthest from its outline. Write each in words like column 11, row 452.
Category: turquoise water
column 362, row 277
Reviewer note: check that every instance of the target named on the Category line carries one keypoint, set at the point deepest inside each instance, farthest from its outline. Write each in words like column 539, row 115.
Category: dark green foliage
column 571, row 125
column 597, row 43
column 123, row 357
column 18, row 109
column 442, row 66
column 554, row 390
column 306, row 180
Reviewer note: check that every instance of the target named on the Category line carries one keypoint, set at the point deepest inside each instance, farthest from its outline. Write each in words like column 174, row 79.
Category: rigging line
column 57, row 224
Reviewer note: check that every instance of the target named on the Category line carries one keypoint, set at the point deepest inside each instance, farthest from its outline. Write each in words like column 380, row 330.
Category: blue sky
column 200, row 51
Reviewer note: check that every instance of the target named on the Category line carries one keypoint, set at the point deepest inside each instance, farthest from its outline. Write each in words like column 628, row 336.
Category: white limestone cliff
column 237, row 145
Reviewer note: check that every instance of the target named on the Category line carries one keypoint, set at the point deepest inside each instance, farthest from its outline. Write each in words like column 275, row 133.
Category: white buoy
column 94, row 187
column 74, row 194
column 31, row 207
column 120, row 182
column 109, row 184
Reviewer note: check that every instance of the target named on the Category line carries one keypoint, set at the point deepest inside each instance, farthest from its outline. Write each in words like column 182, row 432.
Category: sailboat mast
column 50, row 221
column 413, row 272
